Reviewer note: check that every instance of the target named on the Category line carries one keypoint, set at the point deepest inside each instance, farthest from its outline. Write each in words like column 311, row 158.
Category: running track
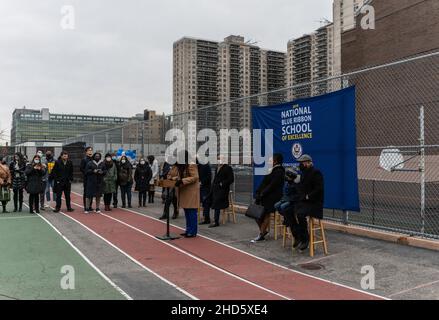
column 203, row 268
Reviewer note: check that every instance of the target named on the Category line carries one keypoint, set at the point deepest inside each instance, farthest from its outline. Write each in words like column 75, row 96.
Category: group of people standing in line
column 295, row 194
column 105, row 176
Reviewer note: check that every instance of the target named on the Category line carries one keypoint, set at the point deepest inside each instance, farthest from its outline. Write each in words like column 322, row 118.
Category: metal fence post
column 422, row 165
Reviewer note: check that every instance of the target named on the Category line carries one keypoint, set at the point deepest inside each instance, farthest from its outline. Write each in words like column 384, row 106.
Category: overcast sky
column 118, row 59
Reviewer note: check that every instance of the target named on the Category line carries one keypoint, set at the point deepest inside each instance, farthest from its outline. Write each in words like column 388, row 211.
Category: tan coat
column 188, row 194
column 5, row 175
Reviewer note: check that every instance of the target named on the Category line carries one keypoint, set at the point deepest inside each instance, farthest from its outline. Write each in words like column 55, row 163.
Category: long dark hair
column 183, row 167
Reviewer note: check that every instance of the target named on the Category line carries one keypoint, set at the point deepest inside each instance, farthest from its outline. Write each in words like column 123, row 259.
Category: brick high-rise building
column 209, row 72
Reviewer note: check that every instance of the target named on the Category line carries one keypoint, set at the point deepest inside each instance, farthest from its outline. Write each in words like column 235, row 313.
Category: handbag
column 5, row 194
column 255, row 211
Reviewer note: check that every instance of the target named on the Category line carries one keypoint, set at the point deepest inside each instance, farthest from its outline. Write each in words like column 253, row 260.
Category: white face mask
column 123, row 161
column 108, row 159
column 37, row 161
column 142, row 162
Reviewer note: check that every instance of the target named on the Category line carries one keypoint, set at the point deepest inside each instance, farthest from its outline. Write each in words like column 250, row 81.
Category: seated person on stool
column 285, row 206
column 310, row 200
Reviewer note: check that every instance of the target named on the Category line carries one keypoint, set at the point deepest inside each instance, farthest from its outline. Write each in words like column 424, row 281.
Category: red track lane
column 195, row 277
column 282, row 281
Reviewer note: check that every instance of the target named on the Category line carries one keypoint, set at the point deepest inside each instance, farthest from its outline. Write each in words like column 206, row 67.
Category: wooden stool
column 276, row 220
column 286, row 234
column 230, row 211
column 314, row 238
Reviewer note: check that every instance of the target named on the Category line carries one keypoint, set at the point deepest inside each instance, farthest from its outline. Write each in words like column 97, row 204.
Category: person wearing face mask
column 95, row 172
column 142, row 177
column 154, row 164
column 82, row 167
column 188, row 191
column 34, row 186
column 117, row 165
column 62, row 176
column 286, row 205
column 310, row 203
column 219, row 193
column 17, row 168
column 125, row 181
column 42, row 194
column 5, row 184
column 50, row 164
column 110, row 181
column 270, row 192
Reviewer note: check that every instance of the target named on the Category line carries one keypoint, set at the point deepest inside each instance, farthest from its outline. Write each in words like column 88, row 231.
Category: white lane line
column 194, row 257
column 131, row 258
column 262, row 259
column 123, row 293
column 18, row 218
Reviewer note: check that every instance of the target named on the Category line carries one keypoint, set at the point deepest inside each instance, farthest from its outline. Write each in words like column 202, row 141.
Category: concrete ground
column 401, row 272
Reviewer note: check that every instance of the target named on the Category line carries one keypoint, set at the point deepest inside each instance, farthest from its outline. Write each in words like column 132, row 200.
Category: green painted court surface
column 31, row 257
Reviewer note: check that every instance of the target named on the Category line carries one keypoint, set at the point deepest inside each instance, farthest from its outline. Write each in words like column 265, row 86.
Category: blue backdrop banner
column 323, row 127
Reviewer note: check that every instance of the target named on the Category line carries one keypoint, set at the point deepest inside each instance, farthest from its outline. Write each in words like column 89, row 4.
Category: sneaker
column 46, row 206
column 163, row 217
column 259, row 238
column 190, row 236
column 56, row 210
column 43, row 209
column 70, row 210
column 86, row 211
column 98, row 211
column 183, row 234
column 204, row 223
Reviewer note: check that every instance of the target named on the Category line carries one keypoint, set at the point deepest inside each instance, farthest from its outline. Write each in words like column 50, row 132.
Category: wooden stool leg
column 275, row 226
column 311, row 237
column 284, row 236
column 325, row 245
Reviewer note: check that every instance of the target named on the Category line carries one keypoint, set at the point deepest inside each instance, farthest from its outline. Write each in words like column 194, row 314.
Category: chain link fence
column 397, row 110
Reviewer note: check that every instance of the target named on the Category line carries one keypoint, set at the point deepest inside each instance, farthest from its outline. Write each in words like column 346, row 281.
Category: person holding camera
column 62, row 176
column 34, row 186
column 95, row 172
column 270, row 192
column 310, row 203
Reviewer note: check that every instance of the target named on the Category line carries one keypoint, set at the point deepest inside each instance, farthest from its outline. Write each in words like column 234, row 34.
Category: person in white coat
column 155, row 175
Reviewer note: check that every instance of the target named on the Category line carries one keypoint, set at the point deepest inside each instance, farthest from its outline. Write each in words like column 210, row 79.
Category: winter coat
column 62, row 174
column 18, row 175
column 34, row 184
column 5, row 176
column 155, row 171
column 205, row 173
column 270, row 191
column 188, row 194
column 311, row 194
column 125, row 174
column 110, row 179
column 142, row 176
column 219, row 194
column 95, row 180
column 290, row 192
column 83, row 167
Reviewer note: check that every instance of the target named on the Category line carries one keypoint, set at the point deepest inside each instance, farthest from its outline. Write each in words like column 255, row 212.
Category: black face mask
column 302, row 167
column 48, row 156
column 97, row 159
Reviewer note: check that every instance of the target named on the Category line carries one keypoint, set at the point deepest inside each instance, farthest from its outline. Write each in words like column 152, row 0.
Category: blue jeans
column 281, row 206
column 191, row 221
column 49, row 185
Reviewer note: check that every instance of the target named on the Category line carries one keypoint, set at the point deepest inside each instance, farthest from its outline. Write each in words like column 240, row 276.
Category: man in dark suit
column 310, row 203
column 219, row 193
column 205, row 173
column 62, row 175
column 82, row 166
